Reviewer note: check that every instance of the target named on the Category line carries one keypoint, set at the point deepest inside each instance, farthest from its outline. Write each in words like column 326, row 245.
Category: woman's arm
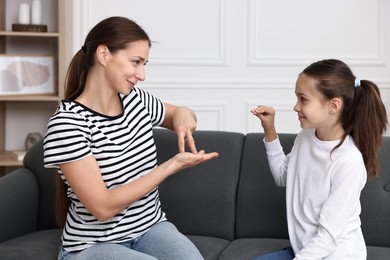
column 85, row 179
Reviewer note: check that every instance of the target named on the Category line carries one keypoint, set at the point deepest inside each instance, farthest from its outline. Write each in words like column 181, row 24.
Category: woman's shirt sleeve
column 153, row 105
column 67, row 139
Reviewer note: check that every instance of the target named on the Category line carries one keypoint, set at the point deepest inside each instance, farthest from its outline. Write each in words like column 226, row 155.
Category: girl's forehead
column 305, row 84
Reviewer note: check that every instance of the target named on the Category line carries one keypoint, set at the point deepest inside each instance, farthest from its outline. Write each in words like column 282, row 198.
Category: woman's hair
column 363, row 113
column 114, row 32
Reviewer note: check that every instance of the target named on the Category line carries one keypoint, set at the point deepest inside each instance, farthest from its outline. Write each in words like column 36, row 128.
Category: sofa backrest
column 46, row 181
column 375, row 200
column 261, row 210
column 201, row 200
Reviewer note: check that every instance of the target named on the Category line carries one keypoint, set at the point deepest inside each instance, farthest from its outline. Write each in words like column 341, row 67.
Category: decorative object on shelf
column 23, row 74
column 29, row 28
column 36, row 12
column 18, row 155
column 25, row 24
column 31, row 139
column 24, row 13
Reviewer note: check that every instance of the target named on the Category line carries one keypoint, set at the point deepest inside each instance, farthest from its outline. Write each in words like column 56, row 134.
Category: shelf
column 7, row 160
column 57, row 43
column 29, row 34
column 29, row 98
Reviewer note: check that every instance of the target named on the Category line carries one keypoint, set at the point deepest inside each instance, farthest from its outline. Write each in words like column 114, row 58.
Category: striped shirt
column 124, row 149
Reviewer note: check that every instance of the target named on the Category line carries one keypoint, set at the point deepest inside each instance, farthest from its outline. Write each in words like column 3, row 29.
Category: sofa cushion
column 261, row 209
column 378, row 253
column 247, row 248
column 42, row 245
column 201, row 200
column 210, row 247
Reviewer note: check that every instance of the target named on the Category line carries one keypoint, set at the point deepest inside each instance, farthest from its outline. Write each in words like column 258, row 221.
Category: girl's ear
column 335, row 105
column 103, row 54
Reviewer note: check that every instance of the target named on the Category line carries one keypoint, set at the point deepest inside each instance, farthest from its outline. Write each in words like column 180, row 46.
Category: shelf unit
column 55, row 42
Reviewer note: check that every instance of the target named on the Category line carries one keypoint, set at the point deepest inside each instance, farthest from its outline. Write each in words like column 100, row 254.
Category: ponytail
column 77, row 74
column 368, row 123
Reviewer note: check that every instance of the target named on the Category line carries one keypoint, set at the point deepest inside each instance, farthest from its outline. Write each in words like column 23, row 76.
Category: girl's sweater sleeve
column 277, row 161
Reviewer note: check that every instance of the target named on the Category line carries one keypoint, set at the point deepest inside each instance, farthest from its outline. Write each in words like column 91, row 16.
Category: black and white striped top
column 124, row 149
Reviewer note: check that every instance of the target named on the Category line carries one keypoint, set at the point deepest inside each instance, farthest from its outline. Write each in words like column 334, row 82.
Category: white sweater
column 322, row 195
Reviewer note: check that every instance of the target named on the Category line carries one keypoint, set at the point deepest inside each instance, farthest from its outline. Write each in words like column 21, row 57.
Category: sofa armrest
column 19, row 196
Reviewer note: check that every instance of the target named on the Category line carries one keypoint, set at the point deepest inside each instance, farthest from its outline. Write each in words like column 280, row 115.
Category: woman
column 100, row 140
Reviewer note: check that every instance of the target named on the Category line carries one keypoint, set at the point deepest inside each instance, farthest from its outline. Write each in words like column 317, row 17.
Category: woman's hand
column 267, row 117
column 182, row 121
column 185, row 160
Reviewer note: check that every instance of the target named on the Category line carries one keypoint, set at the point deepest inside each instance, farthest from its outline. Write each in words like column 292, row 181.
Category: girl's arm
column 277, row 160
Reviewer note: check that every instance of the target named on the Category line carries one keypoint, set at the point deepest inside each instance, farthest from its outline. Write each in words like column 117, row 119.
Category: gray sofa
column 229, row 207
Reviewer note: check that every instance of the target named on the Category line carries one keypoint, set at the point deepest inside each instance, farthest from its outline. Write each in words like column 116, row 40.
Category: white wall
column 223, row 57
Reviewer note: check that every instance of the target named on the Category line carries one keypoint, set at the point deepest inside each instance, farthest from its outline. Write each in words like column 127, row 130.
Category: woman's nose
column 140, row 74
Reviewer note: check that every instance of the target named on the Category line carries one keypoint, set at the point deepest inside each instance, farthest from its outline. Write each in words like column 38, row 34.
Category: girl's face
column 126, row 67
column 312, row 108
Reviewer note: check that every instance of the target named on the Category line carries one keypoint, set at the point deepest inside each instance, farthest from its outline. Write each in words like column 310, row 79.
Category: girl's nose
column 296, row 107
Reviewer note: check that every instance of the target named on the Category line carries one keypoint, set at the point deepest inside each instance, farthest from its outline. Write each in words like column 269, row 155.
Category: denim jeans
column 285, row 254
column 163, row 241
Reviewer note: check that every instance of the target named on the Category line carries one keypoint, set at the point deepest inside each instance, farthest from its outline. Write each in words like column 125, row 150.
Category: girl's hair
column 114, row 32
column 363, row 114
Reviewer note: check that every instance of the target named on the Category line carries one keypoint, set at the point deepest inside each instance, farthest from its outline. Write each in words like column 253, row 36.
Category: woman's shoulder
column 68, row 112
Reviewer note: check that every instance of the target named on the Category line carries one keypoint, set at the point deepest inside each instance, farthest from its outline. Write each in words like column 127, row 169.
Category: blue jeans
column 285, row 254
column 163, row 241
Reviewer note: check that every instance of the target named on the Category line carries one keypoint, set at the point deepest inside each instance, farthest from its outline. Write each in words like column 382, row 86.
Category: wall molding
column 233, row 83
column 376, row 60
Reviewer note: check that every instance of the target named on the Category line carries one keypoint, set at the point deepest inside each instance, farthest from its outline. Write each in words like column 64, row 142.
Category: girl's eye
column 302, row 99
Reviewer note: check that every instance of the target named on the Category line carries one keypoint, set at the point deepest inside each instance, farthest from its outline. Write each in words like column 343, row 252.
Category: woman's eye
column 136, row 62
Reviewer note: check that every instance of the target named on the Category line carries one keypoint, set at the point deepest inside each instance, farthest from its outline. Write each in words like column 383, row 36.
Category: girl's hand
column 267, row 117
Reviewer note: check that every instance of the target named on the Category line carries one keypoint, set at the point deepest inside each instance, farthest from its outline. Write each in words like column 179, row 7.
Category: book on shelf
column 18, row 155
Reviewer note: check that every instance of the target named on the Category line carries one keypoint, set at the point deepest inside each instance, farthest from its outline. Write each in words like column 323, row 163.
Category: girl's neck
column 333, row 133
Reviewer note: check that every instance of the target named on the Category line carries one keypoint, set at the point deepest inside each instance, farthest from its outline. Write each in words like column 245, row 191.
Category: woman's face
column 126, row 67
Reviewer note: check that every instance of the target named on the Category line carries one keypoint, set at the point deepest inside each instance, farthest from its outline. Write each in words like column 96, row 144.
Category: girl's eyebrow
column 301, row 94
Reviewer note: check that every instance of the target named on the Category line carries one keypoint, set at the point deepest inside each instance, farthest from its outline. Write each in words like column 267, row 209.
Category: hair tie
column 84, row 49
column 357, row 83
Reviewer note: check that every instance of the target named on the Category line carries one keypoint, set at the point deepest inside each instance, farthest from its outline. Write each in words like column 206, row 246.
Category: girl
column 343, row 120
column 100, row 140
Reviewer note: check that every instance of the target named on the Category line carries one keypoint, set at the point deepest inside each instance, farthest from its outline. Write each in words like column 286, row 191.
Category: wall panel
column 223, row 57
